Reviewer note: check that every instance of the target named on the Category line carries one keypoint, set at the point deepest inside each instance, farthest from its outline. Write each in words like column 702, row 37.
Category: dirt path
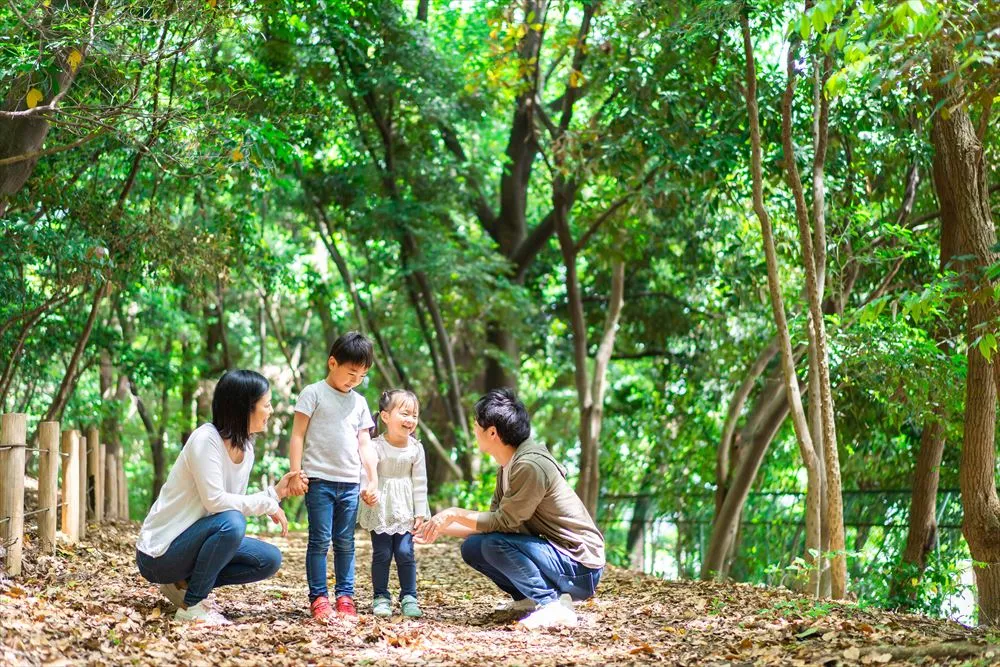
column 90, row 606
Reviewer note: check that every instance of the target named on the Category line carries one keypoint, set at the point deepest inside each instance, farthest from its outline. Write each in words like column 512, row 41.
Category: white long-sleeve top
column 203, row 481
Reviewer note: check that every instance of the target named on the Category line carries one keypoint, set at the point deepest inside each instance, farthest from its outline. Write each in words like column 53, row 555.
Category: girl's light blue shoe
column 382, row 607
column 410, row 607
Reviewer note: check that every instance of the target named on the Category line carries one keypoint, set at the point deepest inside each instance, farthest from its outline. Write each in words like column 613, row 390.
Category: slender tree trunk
column 736, row 403
column 760, row 430
column 635, row 542
column 778, row 307
column 7, row 378
column 834, row 517
column 62, row 395
column 922, row 535
column 590, row 392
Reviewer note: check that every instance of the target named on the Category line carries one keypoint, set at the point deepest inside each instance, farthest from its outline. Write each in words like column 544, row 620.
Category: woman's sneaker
column 524, row 604
column 320, row 608
column 555, row 614
column 200, row 613
column 173, row 593
column 410, row 607
column 382, row 607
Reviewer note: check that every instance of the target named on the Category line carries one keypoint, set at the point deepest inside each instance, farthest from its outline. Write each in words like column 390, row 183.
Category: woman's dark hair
column 235, row 396
column 500, row 408
column 353, row 348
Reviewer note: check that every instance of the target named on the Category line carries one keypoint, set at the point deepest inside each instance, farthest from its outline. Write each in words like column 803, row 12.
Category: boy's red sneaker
column 321, row 608
column 345, row 606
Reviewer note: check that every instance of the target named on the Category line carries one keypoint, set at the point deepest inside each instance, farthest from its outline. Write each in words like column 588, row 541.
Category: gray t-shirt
column 331, row 443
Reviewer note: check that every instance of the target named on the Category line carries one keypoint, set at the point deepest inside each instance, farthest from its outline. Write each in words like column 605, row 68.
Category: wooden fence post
column 48, row 480
column 123, row 510
column 93, row 473
column 84, row 483
column 101, row 485
column 71, row 486
column 111, row 475
column 13, row 436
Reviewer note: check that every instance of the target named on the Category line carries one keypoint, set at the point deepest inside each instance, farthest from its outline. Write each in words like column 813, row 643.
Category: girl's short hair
column 390, row 400
column 233, row 402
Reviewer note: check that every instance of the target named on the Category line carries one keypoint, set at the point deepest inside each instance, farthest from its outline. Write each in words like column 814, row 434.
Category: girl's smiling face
column 401, row 420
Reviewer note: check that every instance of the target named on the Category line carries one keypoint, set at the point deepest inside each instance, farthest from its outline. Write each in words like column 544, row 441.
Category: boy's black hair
column 500, row 408
column 236, row 394
column 353, row 348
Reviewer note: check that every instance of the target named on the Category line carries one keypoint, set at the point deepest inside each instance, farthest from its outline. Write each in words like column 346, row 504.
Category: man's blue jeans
column 333, row 511
column 384, row 547
column 525, row 566
column 212, row 552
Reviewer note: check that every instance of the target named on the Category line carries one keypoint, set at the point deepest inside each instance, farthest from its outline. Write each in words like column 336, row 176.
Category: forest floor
column 88, row 605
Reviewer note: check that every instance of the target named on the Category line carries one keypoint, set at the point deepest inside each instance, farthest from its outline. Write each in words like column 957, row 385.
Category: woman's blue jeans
column 212, row 552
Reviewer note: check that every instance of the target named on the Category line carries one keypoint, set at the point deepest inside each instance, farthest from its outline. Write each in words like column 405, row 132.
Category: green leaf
column 818, row 20
column 987, row 345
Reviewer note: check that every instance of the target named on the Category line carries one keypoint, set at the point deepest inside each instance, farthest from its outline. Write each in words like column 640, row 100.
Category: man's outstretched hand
column 431, row 529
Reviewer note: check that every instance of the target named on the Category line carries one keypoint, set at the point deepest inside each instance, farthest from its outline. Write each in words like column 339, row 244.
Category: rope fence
column 91, row 481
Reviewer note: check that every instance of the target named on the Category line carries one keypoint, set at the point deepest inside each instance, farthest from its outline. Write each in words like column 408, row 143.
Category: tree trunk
column 758, row 433
column 922, row 534
column 25, row 134
column 726, row 443
column 834, row 517
column 590, row 392
column 923, row 504
column 791, row 381
column 635, row 542
column 54, row 413
column 960, row 181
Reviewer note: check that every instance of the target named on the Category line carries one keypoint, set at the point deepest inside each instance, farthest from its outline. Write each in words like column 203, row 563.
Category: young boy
column 332, row 422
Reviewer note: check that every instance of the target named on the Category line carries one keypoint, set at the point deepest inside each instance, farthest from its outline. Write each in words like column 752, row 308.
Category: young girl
column 402, row 502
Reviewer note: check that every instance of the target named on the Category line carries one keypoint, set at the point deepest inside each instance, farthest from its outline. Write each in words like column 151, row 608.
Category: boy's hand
column 280, row 519
column 370, row 493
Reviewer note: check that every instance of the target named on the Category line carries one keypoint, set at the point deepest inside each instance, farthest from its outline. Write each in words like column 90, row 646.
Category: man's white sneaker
column 200, row 613
column 553, row 615
column 524, row 604
column 173, row 593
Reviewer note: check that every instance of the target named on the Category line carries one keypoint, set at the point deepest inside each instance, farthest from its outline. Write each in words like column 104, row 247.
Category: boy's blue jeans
column 212, row 552
column 333, row 511
column 384, row 547
column 526, row 566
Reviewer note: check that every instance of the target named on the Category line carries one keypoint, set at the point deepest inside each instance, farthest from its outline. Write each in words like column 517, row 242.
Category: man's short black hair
column 500, row 408
column 233, row 402
column 353, row 348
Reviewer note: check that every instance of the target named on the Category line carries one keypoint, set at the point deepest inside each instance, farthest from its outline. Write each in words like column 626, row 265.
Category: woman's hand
column 294, row 483
column 280, row 519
